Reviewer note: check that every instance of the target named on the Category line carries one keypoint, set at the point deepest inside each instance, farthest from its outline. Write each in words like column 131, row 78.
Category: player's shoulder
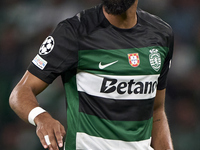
column 85, row 21
column 154, row 21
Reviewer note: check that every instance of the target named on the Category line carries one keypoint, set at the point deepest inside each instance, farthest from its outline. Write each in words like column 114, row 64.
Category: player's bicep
column 159, row 102
column 33, row 82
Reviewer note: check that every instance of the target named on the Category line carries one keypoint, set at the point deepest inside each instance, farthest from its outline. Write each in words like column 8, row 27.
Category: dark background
column 24, row 24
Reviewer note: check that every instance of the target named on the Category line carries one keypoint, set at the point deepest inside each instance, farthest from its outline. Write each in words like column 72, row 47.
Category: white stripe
column 92, row 85
column 87, row 142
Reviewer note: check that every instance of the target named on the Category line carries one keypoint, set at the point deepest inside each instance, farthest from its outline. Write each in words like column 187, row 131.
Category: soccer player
column 114, row 60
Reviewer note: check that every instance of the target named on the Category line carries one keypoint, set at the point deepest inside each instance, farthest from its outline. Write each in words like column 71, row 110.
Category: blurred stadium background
column 24, row 24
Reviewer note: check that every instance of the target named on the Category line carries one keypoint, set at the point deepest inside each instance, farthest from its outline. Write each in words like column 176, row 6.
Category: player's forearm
column 161, row 137
column 22, row 101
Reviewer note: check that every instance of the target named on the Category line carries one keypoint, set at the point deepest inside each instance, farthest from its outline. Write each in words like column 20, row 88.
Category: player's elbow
column 12, row 99
column 16, row 96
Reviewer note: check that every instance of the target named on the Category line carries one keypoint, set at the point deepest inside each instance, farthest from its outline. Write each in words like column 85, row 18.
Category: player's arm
column 23, row 100
column 161, row 137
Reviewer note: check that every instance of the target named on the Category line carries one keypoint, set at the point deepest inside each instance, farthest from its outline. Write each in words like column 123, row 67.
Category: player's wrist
column 34, row 113
column 43, row 118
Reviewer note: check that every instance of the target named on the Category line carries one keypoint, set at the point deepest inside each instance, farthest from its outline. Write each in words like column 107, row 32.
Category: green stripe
column 116, row 130
column 90, row 59
column 72, row 113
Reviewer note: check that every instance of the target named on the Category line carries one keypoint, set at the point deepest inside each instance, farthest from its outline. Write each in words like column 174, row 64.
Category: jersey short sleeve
column 58, row 53
column 162, row 80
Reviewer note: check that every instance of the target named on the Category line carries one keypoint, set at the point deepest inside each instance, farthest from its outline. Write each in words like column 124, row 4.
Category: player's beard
column 117, row 7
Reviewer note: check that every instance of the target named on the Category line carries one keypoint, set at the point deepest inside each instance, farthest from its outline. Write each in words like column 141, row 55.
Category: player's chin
column 117, row 7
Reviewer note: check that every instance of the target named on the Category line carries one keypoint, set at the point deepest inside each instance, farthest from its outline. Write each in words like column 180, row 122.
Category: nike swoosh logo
column 104, row 66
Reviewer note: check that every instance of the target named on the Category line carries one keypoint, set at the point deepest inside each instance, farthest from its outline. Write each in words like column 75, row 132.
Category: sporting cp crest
column 134, row 59
column 155, row 59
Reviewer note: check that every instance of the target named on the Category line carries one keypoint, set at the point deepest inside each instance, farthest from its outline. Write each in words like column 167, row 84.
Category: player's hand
column 52, row 129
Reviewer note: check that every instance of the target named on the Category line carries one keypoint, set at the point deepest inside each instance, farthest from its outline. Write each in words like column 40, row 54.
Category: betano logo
column 130, row 87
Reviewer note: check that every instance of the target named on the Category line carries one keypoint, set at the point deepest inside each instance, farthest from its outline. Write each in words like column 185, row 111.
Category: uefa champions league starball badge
column 47, row 46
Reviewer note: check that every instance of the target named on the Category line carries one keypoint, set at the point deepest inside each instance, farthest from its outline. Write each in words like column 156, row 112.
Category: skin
column 117, row 7
column 161, row 137
column 23, row 100
column 126, row 20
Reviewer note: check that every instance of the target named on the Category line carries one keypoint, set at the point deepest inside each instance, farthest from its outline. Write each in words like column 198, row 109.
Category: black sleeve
column 58, row 53
column 162, row 80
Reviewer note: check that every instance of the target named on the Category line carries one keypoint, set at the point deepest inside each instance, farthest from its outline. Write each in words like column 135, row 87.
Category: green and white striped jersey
column 110, row 76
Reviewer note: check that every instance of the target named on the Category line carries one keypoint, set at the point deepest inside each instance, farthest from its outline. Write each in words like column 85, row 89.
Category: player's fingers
column 63, row 132
column 51, row 148
column 59, row 136
column 52, row 140
column 41, row 136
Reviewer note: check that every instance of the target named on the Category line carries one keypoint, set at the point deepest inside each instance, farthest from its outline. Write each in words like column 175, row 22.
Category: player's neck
column 123, row 21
